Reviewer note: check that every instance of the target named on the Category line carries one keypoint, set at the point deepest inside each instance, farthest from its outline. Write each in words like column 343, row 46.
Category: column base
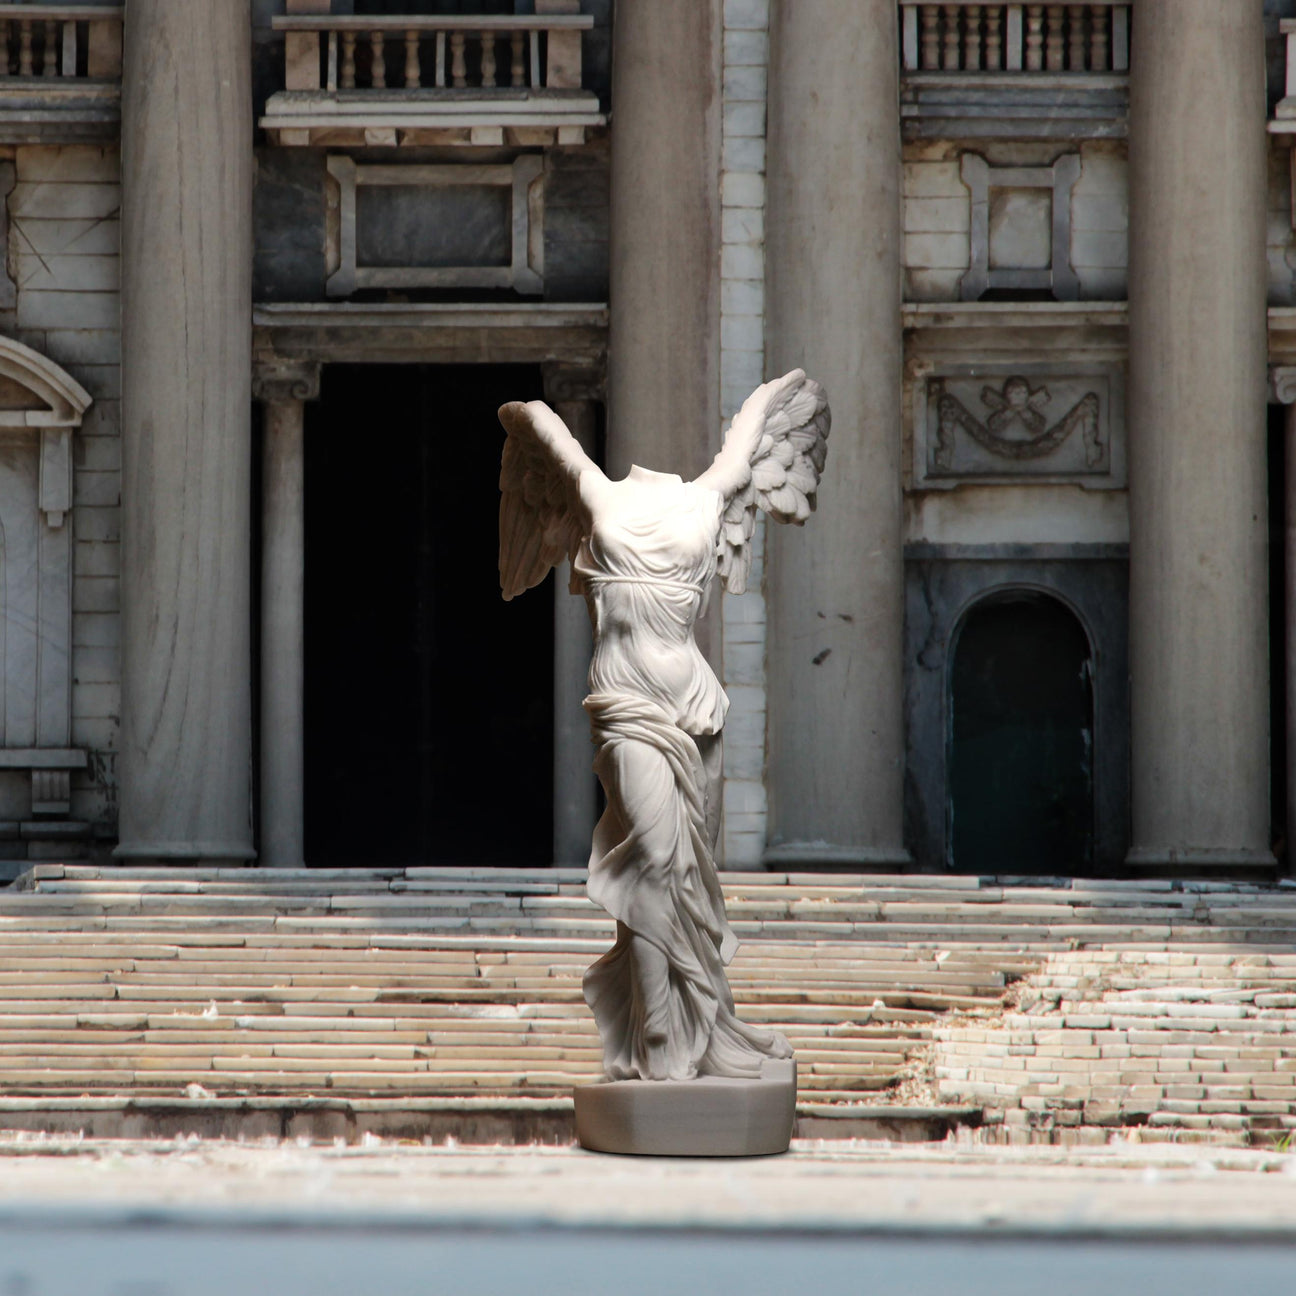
column 187, row 854
column 822, row 857
column 1199, row 861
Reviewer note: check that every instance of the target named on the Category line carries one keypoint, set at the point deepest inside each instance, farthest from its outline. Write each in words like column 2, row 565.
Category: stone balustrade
column 411, row 52
column 988, row 38
column 67, row 42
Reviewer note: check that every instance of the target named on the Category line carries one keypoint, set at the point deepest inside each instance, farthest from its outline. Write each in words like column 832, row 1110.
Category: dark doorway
column 429, row 701
column 1280, row 506
column 1021, row 739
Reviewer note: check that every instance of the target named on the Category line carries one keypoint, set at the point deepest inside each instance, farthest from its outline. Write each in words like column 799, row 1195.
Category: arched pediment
column 35, row 392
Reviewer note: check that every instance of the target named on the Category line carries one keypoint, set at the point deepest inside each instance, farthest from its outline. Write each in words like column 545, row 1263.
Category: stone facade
column 1036, row 414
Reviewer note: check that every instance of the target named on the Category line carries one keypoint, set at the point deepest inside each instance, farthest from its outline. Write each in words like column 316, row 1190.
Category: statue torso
column 646, row 568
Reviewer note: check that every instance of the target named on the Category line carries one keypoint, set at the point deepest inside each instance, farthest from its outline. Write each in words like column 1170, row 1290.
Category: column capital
column 285, row 380
column 1282, row 384
column 564, row 382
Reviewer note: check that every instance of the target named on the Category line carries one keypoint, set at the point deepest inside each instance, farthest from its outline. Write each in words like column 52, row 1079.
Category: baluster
column 348, row 60
column 377, row 61
column 950, row 63
column 1055, row 47
column 1034, row 38
column 4, row 37
column 49, row 48
column 517, row 66
column 458, row 68
column 488, row 59
column 972, row 38
column 24, row 47
column 994, row 38
column 411, row 60
column 930, row 36
column 1075, row 38
column 1098, row 56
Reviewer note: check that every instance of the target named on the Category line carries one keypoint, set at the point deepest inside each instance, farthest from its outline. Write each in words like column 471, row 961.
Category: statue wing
column 542, row 518
column 772, row 457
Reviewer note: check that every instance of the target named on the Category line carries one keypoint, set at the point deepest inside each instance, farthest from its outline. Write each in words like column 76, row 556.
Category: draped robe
column 656, row 710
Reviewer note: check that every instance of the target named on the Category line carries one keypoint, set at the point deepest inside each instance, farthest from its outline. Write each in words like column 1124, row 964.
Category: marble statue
column 644, row 552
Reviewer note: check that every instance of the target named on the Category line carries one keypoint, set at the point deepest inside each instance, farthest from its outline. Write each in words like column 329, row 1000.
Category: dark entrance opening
column 429, row 701
column 1280, row 505
column 1021, row 739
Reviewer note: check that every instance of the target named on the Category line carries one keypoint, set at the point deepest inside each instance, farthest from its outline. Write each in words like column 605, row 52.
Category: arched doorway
column 1021, row 739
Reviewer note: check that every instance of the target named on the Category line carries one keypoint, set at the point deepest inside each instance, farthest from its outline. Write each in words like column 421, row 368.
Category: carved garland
column 1016, row 407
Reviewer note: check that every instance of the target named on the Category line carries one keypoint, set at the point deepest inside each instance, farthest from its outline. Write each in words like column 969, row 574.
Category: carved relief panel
column 999, row 422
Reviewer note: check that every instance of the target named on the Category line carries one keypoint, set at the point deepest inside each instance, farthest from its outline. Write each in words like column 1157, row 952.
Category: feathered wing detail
column 542, row 518
column 772, row 457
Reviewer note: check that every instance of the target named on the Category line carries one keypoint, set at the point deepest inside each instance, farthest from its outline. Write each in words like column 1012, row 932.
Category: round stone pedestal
column 710, row 1116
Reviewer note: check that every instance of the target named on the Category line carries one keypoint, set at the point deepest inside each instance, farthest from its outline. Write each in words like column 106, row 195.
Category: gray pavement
column 193, row 1218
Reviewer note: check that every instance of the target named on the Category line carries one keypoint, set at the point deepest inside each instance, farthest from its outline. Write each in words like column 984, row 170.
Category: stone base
column 710, row 1116
column 1200, row 862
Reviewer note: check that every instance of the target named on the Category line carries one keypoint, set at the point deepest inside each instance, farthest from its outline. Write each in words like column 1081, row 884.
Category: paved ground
column 188, row 1219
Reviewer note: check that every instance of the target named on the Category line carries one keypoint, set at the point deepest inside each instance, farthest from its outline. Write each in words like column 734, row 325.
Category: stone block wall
column 742, row 361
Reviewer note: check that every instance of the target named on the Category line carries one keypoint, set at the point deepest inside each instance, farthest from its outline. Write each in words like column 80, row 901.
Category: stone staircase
column 424, row 1002
column 376, row 988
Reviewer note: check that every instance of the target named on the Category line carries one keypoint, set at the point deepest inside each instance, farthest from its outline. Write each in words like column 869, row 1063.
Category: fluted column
column 836, row 741
column 1198, row 642
column 574, row 395
column 664, row 288
column 184, row 767
column 283, row 391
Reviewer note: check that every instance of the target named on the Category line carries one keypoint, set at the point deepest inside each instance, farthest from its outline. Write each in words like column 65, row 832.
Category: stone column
column 185, row 767
column 835, row 587
column 284, row 391
column 573, row 393
column 664, row 289
column 1198, row 644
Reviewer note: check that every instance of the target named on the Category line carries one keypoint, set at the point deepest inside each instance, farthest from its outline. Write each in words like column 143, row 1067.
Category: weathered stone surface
column 186, row 489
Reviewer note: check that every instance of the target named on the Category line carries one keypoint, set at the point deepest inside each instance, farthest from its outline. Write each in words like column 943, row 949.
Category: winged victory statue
column 644, row 551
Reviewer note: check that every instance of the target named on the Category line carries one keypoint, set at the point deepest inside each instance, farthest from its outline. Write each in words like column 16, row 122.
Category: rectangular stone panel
column 1003, row 422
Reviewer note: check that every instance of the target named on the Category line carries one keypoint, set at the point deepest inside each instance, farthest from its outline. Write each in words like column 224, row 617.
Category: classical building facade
column 272, row 264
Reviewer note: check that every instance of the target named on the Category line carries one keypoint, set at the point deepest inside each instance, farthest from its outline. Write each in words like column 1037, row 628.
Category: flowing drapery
column 652, row 869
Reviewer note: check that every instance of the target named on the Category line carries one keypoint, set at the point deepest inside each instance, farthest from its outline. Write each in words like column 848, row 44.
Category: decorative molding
column 525, row 271
column 41, row 408
column 571, row 333
column 982, row 179
column 51, row 792
column 276, row 381
column 571, row 383
column 1282, row 384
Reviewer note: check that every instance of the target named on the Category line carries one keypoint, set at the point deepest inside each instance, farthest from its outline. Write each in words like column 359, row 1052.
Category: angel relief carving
column 644, row 553
column 1017, row 427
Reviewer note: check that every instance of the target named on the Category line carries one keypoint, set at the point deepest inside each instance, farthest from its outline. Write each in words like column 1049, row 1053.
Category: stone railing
column 988, row 38
column 63, row 42
column 411, row 52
